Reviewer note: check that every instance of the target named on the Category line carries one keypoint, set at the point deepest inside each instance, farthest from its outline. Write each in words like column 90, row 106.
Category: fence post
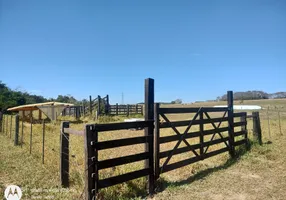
column 7, row 125
column 156, row 141
column 90, row 105
column 230, row 123
column 257, row 127
column 11, row 121
column 149, row 131
column 91, row 158
column 22, row 131
column 3, row 124
column 244, row 128
column 107, row 105
column 127, row 113
column 1, row 121
column 116, row 108
column 98, row 108
column 43, row 147
column 268, row 119
column 64, row 155
column 201, row 135
column 16, row 141
column 279, row 118
column 136, row 108
column 31, row 134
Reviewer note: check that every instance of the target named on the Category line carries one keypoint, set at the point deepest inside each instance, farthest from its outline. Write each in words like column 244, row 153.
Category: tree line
column 254, row 95
column 11, row 98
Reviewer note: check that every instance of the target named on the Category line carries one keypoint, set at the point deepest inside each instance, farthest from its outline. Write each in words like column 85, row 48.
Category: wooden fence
column 152, row 153
column 125, row 109
column 100, row 106
column 200, row 150
column 152, row 139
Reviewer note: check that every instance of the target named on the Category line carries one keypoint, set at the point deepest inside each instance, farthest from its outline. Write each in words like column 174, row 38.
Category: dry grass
column 19, row 167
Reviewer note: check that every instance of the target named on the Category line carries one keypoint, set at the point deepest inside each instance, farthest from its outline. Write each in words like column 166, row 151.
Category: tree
column 177, row 101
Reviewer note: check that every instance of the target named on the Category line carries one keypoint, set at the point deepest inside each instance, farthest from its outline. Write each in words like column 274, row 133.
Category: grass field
column 215, row 178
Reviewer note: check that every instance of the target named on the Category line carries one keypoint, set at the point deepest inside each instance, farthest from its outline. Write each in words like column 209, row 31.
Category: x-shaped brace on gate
column 216, row 128
column 181, row 139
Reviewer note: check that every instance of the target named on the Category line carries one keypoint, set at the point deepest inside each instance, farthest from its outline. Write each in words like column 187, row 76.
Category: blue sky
column 195, row 50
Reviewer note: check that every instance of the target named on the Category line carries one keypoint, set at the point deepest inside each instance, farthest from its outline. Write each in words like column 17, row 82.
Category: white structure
column 133, row 120
column 242, row 107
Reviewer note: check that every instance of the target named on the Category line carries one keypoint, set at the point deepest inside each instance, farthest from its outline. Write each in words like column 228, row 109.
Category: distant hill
column 254, row 95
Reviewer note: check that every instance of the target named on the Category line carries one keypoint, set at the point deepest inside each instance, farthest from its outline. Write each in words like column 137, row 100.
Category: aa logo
column 13, row 192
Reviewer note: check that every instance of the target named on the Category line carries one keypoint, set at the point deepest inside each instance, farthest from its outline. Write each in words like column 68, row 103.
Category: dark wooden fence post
column 257, row 127
column 201, row 135
column 149, row 131
column 91, row 158
column 16, row 141
column 116, row 108
column 128, row 107
column 90, row 105
column 99, row 105
column 64, row 155
column 156, row 141
column 107, row 105
column 230, row 123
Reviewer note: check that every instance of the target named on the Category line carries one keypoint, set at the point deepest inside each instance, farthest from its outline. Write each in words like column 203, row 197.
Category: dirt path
column 259, row 174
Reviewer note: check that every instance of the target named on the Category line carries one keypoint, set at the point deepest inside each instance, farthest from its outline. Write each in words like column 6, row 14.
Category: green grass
column 19, row 167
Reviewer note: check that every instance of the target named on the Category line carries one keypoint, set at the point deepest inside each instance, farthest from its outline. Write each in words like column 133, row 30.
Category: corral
column 173, row 150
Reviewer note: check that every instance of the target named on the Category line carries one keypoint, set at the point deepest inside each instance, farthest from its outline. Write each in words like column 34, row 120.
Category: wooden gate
column 199, row 142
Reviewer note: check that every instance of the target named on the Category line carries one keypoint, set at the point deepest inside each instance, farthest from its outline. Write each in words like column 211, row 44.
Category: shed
column 50, row 109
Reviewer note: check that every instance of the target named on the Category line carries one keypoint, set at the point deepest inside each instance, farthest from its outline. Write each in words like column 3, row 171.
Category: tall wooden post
column 149, row 131
column 230, row 123
column 64, row 156
column 91, row 160
column 156, row 141
column 201, row 135
column 16, row 141
column 257, row 127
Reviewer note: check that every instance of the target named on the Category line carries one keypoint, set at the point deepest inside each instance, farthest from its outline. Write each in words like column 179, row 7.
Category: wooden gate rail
column 202, row 147
column 93, row 165
column 186, row 135
column 93, row 146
